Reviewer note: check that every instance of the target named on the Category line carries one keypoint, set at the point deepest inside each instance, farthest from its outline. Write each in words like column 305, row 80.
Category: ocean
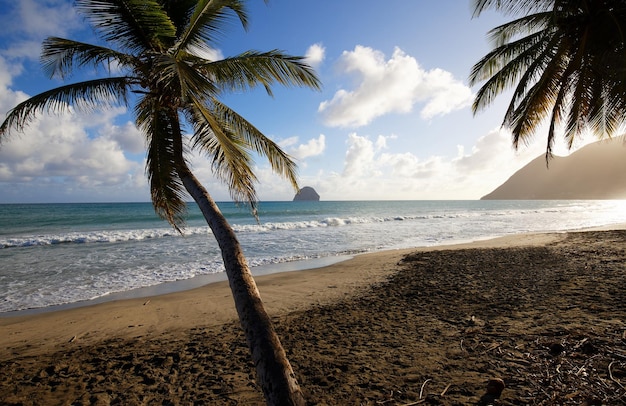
column 63, row 255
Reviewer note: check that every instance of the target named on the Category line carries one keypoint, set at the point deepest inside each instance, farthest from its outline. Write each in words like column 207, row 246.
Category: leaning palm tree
column 565, row 59
column 160, row 47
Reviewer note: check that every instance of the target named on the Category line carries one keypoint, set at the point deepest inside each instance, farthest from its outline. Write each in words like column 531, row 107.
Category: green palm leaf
column 162, row 131
column 512, row 6
column 280, row 161
column 179, row 12
column 61, row 56
column 171, row 76
column 85, row 96
column 207, row 21
column 227, row 150
column 181, row 77
column 505, row 66
column 251, row 68
column 528, row 25
column 136, row 25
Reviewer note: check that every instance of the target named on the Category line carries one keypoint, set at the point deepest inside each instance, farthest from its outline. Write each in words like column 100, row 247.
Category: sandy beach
column 545, row 314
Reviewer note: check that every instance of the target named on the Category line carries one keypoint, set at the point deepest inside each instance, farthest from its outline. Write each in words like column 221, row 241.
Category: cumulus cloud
column 488, row 148
column 313, row 147
column 127, row 136
column 8, row 98
column 50, row 17
column 59, row 147
column 30, row 21
column 391, row 86
column 360, row 157
column 371, row 171
column 367, row 159
column 315, row 55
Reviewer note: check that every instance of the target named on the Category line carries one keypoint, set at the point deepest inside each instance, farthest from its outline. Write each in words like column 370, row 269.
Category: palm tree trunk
column 274, row 372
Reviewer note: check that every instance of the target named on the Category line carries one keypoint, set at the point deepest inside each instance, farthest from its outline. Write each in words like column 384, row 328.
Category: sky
column 393, row 119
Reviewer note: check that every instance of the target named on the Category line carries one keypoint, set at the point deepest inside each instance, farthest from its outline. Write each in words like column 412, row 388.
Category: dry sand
column 545, row 313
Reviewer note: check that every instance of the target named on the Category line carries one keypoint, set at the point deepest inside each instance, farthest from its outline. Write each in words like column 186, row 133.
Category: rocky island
column 306, row 194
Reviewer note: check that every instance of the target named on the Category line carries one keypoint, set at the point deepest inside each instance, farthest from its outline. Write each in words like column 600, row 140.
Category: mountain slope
column 596, row 171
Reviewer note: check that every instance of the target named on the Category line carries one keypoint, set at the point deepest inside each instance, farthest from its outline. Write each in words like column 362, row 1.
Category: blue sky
column 393, row 120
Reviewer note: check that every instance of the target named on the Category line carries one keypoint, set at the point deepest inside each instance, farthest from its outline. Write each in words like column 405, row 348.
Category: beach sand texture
column 545, row 313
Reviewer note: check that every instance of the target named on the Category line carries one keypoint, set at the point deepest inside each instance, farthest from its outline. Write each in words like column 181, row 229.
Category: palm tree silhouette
column 565, row 59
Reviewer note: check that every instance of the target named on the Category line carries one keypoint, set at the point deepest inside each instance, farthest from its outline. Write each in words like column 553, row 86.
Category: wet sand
column 544, row 313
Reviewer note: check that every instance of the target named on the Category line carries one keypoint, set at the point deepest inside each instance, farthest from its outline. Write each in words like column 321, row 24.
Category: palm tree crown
column 565, row 59
column 160, row 47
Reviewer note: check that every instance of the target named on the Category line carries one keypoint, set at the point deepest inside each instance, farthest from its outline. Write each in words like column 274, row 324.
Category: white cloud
column 28, row 22
column 56, row 157
column 443, row 93
column 127, row 136
column 48, row 17
column 381, row 141
column 391, row 86
column 315, row 55
column 206, row 52
column 8, row 97
column 366, row 159
column 23, row 49
column 492, row 160
column 370, row 171
column 359, row 160
column 490, row 148
column 313, row 147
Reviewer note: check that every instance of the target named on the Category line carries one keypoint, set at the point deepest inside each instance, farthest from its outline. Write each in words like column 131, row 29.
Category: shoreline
column 257, row 271
column 37, row 330
column 200, row 281
column 535, row 310
column 42, row 277
column 181, row 285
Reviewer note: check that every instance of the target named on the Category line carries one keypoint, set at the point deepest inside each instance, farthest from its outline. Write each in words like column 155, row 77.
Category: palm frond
column 137, row 25
column 602, row 118
column 614, row 105
column 559, row 107
column 526, row 25
column 179, row 12
column 162, row 130
column 533, row 99
column 227, row 150
column 84, row 96
column 61, row 56
column 511, row 6
column 504, row 66
column 181, row 76
column 251, row 68
column 581, row 86
column 578, row 76
column 543, row 60
column 279, row 160
column 207, row 21
column 532, row 109
column 518, row 52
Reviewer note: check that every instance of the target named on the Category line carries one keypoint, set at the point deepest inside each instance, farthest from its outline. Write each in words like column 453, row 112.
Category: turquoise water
column 53, row 254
